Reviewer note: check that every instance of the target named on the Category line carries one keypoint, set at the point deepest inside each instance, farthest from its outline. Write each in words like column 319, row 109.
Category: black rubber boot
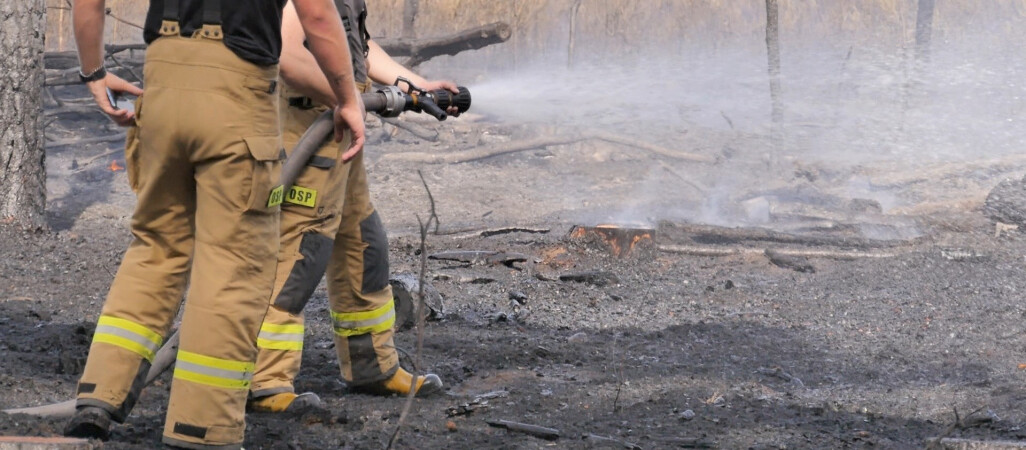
column 89, row 422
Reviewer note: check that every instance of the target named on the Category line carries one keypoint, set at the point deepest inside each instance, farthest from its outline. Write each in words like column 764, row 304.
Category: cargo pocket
column 132, row 148
column 265, row 188
column 132, row 157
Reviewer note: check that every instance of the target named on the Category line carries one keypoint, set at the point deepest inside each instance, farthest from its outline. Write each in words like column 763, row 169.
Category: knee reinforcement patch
column 375, row 256
column 305, row 274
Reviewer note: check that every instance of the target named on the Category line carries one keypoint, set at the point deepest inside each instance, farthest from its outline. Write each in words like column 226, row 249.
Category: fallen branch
column 482, row 257
column 420, row 50
column 777, row 372
column 681, row 442
column 938, row 173
column 90, row 160
column 659, row 150
column 549, row 434
column 698, row 250
column 493, row 232
column 110, row 12
column 710, row 234
column 599, row 440
column 414, row 129
column 81, row 141
column 72, row 109
column 478, row 154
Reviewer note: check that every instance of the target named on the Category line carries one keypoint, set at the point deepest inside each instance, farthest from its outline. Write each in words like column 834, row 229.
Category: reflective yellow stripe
column 301, row 196
column 357, row 323
column 212, row 371
column 125, row 343
column 216, row 363
column 285, row 329
column 209, row 380
column 131, row 326
column 363, row 315
column 280, row 337
column 279, row 345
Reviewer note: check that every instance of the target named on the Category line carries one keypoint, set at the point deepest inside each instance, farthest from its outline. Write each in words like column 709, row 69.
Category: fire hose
column 389, row 101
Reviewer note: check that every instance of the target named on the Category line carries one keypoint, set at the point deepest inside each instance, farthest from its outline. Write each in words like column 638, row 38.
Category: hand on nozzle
column 450, row 86
column 116, row 84
column 350, row 117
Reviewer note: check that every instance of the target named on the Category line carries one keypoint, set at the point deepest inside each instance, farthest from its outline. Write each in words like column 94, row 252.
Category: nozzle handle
column 429, row 106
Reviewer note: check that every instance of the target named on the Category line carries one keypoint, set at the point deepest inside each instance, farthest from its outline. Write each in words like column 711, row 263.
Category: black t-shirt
column 354, row 18
column 252, row 28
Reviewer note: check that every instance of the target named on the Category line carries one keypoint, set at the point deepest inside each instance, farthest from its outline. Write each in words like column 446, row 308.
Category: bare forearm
column 296, row 71
column 88, row 19
column 322, row 27
column 384, row 70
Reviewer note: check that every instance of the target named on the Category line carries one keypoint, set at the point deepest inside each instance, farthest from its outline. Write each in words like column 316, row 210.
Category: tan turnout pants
column 204, row 162
column 328, row 223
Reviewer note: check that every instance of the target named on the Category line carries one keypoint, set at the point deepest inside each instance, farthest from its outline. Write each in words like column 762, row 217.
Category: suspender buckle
column 211, row 31
column 301, row 102
column 169, row 28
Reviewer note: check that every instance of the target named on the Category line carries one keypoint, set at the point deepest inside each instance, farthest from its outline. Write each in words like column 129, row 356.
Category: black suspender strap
column 169, row 26
column 212, row 20
column 364, row 33
column 212, row 12
column 171, row 10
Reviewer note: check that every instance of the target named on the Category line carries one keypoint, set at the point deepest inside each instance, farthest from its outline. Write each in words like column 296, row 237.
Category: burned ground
column 727, row 350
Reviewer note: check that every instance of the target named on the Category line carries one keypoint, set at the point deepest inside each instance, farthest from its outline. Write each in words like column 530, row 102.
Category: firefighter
column 203, row 156
column 329, row 224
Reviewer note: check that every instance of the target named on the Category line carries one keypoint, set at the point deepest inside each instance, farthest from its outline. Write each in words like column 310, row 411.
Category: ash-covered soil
column 857, row 329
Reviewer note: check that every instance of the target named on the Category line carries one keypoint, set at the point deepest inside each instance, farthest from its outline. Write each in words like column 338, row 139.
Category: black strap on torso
column 171, row 10
column 364, row 33
column 211, row 11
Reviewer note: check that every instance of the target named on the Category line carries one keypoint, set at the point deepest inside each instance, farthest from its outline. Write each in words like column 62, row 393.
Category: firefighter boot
column 285, row 402
column 402, row 382
column 89, row 422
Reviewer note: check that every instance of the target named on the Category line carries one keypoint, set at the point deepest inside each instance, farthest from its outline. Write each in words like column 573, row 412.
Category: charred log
column 420, row 50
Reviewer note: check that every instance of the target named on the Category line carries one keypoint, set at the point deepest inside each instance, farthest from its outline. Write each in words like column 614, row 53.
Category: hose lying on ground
column 161, row 361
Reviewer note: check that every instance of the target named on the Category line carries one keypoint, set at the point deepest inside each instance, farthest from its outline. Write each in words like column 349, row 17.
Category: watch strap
column 97, row 74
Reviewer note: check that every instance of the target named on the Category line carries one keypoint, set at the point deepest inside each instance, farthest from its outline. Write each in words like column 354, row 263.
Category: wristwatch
column 97, row 74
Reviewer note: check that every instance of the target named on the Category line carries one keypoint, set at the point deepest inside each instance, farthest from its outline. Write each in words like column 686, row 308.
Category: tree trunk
column 773, row 53
column 410, row 10
column 22, row 160
column 924, row 30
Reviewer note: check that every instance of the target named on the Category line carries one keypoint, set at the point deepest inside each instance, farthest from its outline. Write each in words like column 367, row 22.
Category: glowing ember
column 621, row 241
column 114, row 167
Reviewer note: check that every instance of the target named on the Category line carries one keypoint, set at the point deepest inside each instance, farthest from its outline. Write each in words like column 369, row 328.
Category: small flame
column 114, row 166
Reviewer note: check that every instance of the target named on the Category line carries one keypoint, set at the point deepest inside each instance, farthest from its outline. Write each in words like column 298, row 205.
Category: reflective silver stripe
column 288, row 337
column 220, row 373
column 123, row 333
column 356, row 324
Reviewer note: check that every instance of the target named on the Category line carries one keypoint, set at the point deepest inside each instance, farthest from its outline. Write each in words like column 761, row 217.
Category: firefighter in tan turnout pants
column 329, row 223
column 203, row 156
